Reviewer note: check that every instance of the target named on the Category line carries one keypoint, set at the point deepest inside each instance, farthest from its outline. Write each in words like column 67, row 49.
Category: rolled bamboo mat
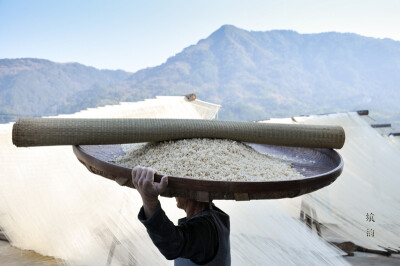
column 66, row 131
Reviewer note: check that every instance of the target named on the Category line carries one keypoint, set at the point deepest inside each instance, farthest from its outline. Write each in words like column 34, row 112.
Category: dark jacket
column 201, row 239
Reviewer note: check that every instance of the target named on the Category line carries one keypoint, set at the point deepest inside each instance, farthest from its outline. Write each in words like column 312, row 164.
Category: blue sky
column 132, row 35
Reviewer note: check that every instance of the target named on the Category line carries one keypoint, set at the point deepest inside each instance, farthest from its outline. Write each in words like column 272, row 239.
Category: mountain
column 36, row 87
column 255, row 75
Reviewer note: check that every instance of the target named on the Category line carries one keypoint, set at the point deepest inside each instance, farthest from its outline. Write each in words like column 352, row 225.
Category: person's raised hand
column 143, row 180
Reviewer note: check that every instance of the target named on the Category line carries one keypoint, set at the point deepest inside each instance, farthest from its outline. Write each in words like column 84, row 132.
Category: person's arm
column 196, row 240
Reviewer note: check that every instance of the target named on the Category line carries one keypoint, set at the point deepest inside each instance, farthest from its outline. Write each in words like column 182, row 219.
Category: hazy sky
column 132, row 35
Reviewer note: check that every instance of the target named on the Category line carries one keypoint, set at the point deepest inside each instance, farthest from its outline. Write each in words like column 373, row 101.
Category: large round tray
column 319, row 166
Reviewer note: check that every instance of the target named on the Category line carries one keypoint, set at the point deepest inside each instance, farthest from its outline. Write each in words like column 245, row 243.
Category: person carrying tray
column 202, row 237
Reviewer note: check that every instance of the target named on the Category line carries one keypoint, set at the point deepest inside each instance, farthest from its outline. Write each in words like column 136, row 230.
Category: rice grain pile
column 207, row 159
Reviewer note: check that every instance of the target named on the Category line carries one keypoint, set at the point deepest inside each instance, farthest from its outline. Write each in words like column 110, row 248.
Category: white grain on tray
column 208, row 159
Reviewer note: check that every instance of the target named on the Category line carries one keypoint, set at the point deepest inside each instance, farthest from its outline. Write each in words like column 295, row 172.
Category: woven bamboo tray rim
column 206, row 190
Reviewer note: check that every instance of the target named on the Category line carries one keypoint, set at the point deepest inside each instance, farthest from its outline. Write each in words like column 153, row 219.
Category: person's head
column 181, row 203
column 191, row 207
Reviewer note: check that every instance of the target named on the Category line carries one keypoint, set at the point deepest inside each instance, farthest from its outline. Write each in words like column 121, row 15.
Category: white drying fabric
column 368, row 185
column 394, row 140
column 208, row 159
column 51, row 204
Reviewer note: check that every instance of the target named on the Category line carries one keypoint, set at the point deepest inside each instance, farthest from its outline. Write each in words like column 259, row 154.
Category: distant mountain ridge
column 36, row 87
column 254, row 75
